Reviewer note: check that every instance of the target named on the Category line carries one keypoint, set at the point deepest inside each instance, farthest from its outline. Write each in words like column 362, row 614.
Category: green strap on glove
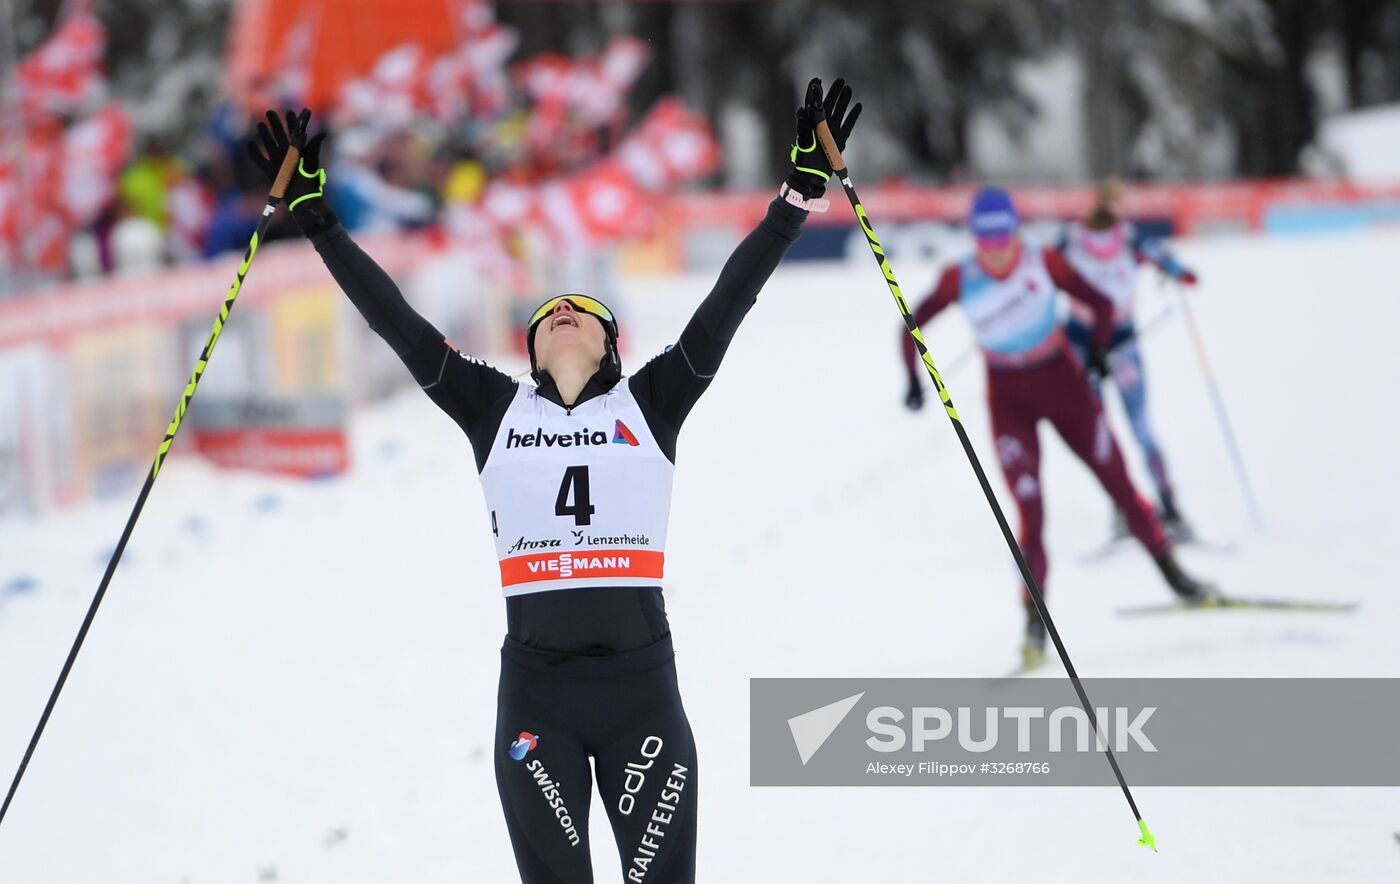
column 319, row 176
column 801, row 155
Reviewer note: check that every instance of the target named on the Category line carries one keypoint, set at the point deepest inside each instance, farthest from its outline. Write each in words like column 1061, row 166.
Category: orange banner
column 582, row 565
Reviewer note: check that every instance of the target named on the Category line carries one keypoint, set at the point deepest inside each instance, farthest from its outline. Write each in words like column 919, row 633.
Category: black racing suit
column 592, row 669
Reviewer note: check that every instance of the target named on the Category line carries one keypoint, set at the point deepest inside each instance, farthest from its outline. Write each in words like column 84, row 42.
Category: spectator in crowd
column 371, row 174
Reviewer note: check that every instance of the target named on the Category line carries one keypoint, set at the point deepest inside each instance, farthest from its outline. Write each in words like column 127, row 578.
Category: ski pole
column 1218, row 401
column 274, row 197
column 1140, row 332
column 838, row 166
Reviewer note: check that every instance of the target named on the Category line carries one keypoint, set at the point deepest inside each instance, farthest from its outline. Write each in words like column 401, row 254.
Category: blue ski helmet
column 993, row 214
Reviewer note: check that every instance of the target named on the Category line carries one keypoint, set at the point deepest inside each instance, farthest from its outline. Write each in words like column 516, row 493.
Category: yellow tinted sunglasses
column 584, row 303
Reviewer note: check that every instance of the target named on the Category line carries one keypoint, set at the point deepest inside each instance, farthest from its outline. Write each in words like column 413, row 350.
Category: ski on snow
column 1217, row 603
column 1230, row 603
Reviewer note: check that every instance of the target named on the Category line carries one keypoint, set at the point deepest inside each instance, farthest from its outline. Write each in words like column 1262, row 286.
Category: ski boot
column 1033, row 644
column 1178, row 531
column 1188, row 589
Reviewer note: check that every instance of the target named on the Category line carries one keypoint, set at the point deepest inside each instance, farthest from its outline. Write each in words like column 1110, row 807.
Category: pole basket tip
column 1148, row 839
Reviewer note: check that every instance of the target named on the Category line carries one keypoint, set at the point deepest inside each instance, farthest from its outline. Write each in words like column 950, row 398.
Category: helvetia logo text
column 540, row 439
column 522, row 745
column 621, row 435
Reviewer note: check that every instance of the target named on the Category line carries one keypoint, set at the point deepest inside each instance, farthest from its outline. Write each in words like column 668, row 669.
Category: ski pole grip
column 833, row 153
column 284, row 174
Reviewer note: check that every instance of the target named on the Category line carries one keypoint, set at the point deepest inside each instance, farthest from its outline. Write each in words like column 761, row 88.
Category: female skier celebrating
column 1007, row 288
column 577, row 475
column 1106, row 250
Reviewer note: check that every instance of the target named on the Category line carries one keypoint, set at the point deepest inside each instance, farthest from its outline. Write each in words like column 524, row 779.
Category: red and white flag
column 670, row 147
column 597, row 205
column 390, row 94
column 93, row 153
column 65, row 73
column 472, row 80
column 407, row 82
column 64, row 180
column 572, row 98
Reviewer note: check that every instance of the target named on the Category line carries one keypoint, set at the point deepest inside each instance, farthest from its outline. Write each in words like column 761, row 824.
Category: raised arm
column 471, row 392
column 669, row 385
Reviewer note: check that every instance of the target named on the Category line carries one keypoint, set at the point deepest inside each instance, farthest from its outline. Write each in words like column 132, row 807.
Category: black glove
column 306, row 191
column 914, row 399
column 1097, row 368
column 810, row 168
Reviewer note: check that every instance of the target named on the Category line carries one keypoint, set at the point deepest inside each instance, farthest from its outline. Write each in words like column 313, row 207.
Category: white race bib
column 578, row 498
column 1015, row 314
column 1108, row 262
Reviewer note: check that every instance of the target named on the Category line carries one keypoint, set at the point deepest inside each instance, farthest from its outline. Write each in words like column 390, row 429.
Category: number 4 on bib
column 575, row 480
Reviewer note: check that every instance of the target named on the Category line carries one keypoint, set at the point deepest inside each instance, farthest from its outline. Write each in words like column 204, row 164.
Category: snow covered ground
column 295, row 682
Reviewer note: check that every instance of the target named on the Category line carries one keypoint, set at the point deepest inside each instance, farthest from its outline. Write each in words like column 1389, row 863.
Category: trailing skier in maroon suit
column 1007, row 288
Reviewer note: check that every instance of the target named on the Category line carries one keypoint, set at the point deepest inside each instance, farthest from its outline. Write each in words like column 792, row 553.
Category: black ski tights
column 624, row 711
